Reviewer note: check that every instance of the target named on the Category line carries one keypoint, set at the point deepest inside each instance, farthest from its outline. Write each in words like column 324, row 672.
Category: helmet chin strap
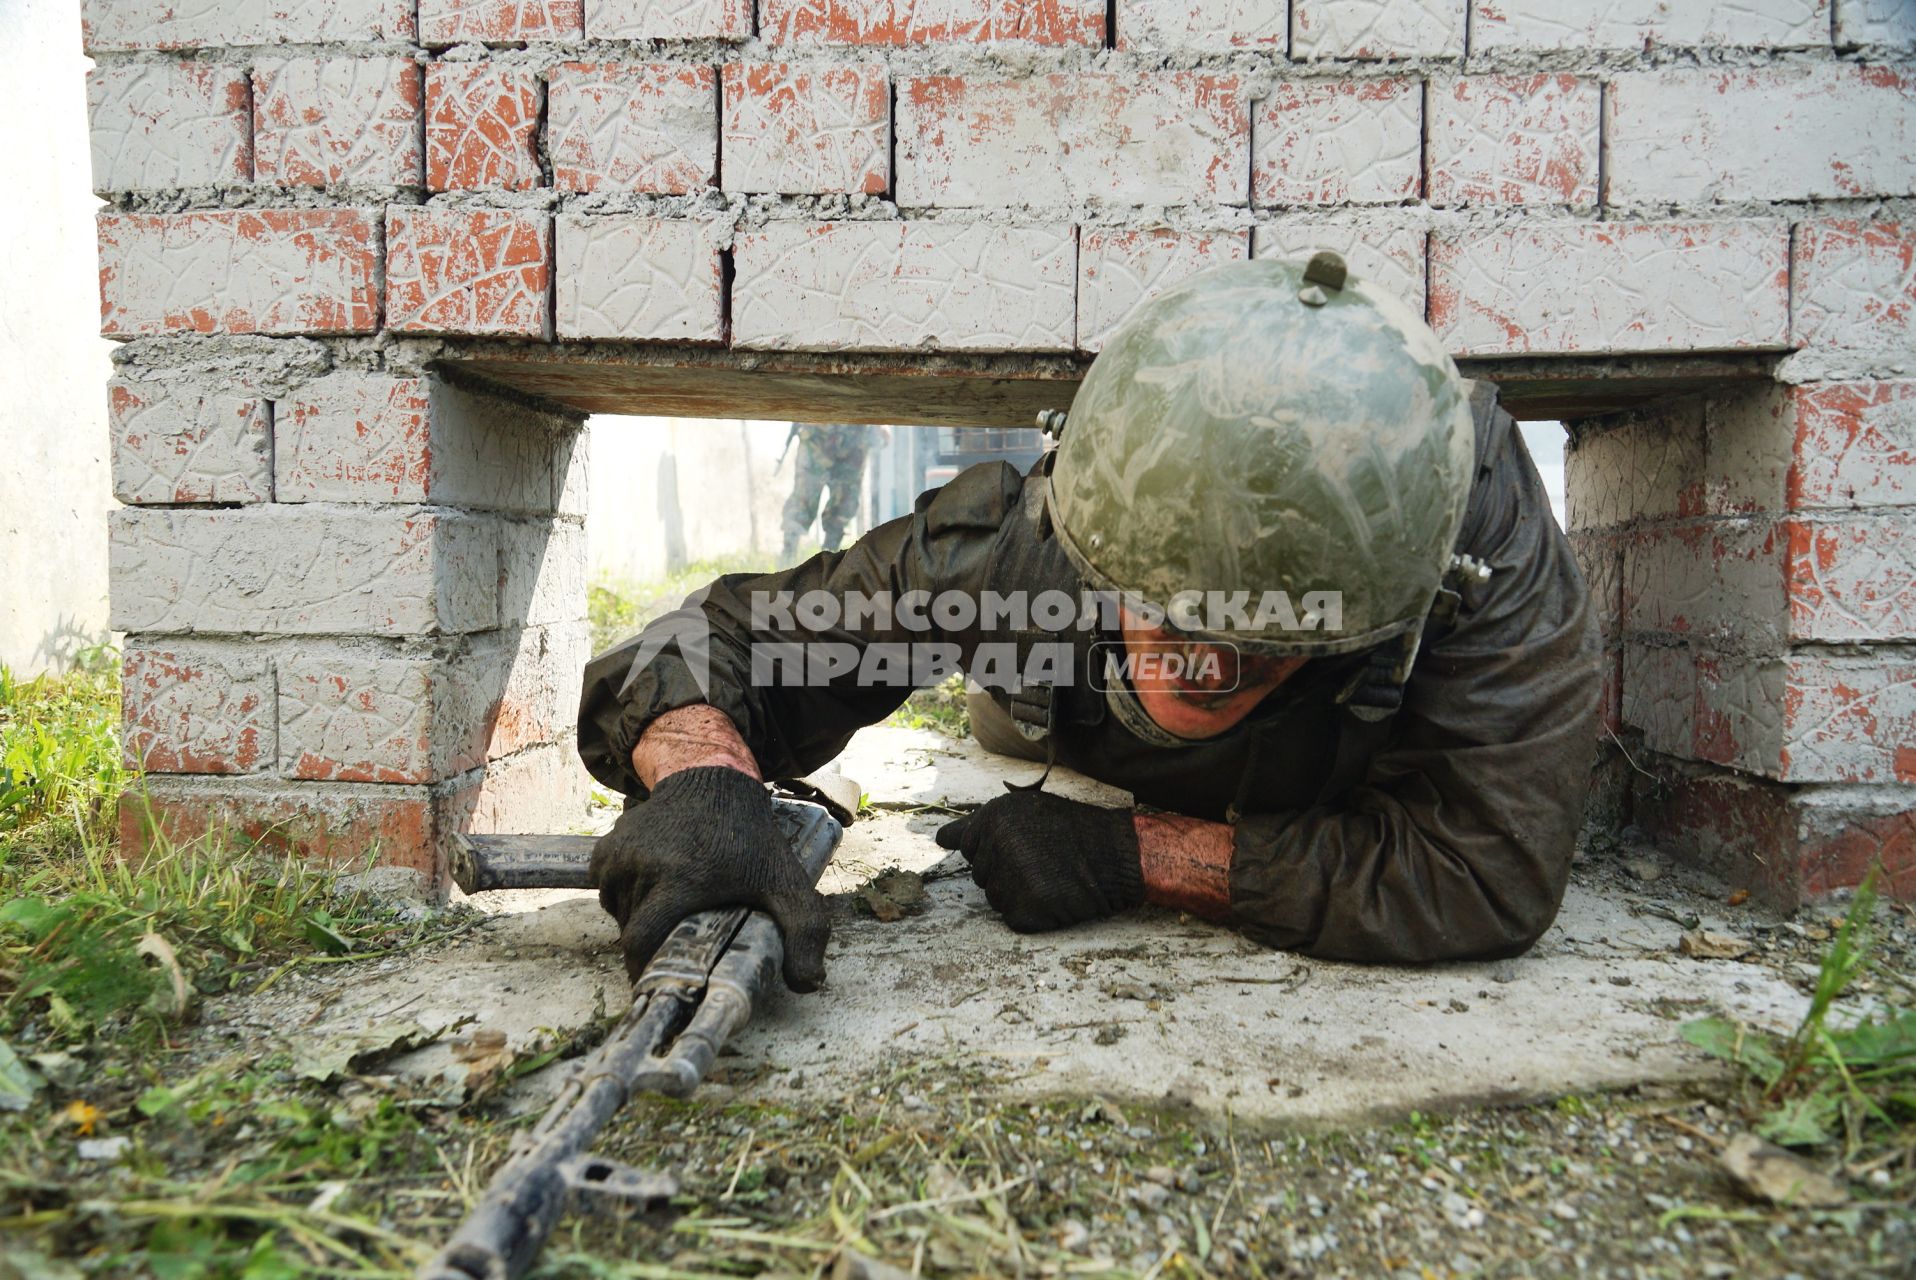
column 1130, row 713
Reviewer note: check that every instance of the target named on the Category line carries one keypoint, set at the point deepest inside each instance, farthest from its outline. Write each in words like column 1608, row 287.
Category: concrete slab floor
column 1149, row 1007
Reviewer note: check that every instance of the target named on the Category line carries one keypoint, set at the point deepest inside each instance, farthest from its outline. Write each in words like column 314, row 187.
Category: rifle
column 695, row 993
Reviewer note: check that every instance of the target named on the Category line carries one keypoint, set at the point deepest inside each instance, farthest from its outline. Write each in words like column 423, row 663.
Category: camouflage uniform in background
column 831, row 459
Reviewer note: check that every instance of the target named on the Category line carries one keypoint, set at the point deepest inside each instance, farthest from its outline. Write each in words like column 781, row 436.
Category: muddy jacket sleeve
column 1456, row 841
column 705, row 651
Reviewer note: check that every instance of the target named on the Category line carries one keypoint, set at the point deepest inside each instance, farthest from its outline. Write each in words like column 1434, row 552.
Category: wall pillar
column 1754, row 557
column 354, row 604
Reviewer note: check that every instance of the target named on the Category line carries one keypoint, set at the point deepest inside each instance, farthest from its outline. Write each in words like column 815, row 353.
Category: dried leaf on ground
column 893, row 894
column 1765, row 1171
column 18, row 1081
column 160, row 951
column 484, row 1058
column 343, row 1054
column 1701, row 944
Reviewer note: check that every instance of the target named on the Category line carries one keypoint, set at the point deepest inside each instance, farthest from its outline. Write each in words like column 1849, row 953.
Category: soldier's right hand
column 707, row 838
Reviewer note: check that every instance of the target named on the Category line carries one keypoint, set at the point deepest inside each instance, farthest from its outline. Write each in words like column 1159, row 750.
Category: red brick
column 162, row 125
column 444, row 22
column 319, row 121
column 1852, row 577
column 1855, row 285
column 484, row 272
column 1339, row 142
column 806, row 131
column 1514, row 140
column 341, row 824
column 632, row 126
column 1788, row 843
column 899, row 22
column 196, row 708
column 1177, row 137
column 277, row 271
column 482, row 123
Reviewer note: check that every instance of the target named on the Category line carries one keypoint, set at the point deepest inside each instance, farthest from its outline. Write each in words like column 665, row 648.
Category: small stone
column 103, row 1149
column 1163, row 1175
column 1645, row 869
column 1701, row 944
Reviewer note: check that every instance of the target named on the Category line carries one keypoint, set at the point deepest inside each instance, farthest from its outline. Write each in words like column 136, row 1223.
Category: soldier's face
column 1193, row 689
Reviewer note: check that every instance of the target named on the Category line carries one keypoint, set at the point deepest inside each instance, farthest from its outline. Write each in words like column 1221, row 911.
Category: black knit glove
column 1045, row 862
column 708, row 837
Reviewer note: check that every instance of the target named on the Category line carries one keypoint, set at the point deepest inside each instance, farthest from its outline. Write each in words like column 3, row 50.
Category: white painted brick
column 1389, row 253
column 1855, row 444
column 1768, row 134
column 186, row 24
column 1630, row 24
column 1514, row 140
column 196, row 708
column 1881, row 22
column 359, row 714
column 352, row 716
column 542, row 572
column 338, row 120
column 1377, row 28
column 668, row 19
column 632, row 126
column 1659, row 696
column 1855, row 287
column 176, row 444
column 1118, row 270
column 1808, row 716
column 543, row 789
column 807, row 130
column 360, row 437
column 900, row 286
column 1848, row 719
column 1202, row 26
column 447, row 22
column 280, row 570
column 1649, row 468
column 1611, row 287
column 921, row 22
column 575, row 489
column 622, row 276
column 161, row 125
column 278, row 271
column 1720, row 582
column 1852, row 577
column 1177, row 137
column 1338, row 142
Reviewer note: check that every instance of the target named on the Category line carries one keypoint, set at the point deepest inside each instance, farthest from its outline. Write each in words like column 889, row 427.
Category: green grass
column 619, row 607
column 1844, row 1075
column 105, row 965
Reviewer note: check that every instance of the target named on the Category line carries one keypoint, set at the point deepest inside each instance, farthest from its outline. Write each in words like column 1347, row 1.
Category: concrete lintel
column 993, row 390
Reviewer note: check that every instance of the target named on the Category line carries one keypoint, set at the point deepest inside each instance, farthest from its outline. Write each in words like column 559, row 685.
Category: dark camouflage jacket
column 1443, row 831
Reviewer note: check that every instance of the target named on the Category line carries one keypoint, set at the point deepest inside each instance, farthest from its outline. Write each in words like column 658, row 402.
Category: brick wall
column 315, row 211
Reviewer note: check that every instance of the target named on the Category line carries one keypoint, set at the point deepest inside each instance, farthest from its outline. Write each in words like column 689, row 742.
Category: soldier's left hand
column 1046, row 862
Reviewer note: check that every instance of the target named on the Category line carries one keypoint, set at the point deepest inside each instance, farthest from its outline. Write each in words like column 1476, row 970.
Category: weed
column 940, row 707
column 1853, row 1076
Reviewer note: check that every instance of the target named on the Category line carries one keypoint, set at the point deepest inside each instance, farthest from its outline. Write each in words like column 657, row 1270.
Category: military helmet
column 1269, row 427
